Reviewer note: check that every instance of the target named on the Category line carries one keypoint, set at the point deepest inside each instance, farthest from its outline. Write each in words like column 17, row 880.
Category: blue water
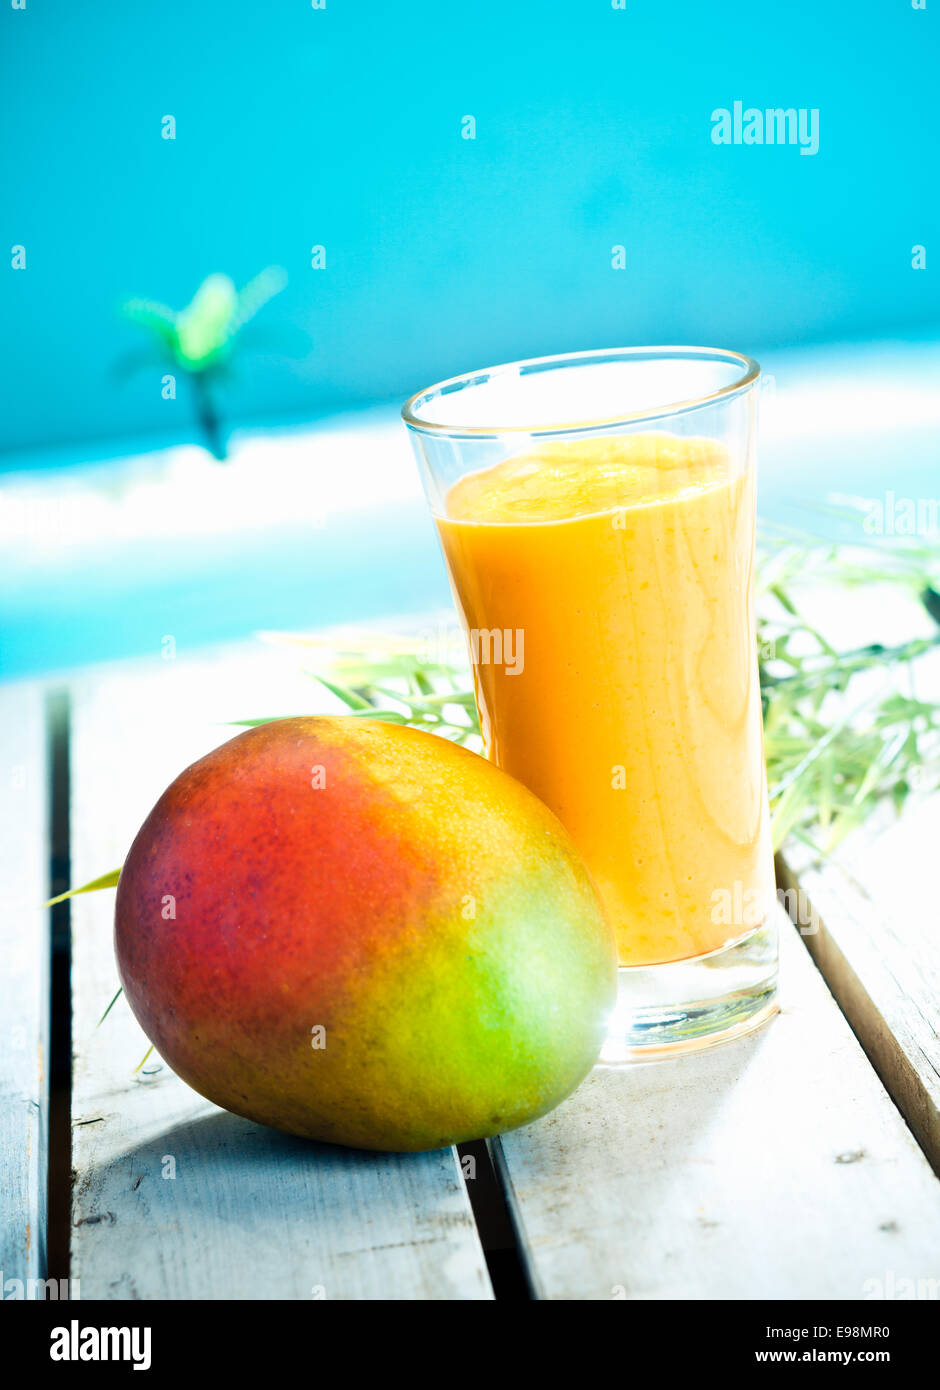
column 131, row 598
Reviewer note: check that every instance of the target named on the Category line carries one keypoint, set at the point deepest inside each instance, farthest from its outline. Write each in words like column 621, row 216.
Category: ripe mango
column 364, row 934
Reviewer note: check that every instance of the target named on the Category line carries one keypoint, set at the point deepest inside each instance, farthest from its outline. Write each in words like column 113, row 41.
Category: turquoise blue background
column 341, row 127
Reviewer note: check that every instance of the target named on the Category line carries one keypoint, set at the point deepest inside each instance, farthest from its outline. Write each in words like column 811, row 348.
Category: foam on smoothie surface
column 568, row 478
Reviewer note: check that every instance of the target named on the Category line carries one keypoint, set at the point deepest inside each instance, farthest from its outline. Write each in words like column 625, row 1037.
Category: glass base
column 688, row 1005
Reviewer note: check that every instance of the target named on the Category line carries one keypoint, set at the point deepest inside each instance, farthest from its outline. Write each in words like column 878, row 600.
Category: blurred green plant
column 200, row 342
column 846, row 729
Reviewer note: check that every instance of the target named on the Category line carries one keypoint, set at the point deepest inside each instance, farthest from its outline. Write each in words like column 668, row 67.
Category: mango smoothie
column 618, row 573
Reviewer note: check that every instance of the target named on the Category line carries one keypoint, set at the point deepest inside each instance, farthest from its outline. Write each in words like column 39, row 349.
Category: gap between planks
column 24, row 982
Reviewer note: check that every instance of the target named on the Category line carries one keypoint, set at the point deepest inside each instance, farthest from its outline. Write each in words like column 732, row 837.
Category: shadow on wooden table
column 231, row 1209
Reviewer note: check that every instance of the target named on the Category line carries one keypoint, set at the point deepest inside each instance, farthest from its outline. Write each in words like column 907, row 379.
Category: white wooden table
column 796, row 1163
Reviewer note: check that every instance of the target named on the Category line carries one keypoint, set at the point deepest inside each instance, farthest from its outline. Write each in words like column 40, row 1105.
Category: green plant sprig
column 834, row 756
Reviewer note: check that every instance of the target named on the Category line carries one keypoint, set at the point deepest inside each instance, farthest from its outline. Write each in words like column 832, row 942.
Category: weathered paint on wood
column 772, row 1167
column 878, row 919
column 174, row 1198
column 878, row 946
column 24, row 983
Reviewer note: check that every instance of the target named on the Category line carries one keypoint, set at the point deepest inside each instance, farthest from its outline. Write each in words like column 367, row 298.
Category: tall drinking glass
column 597, row 516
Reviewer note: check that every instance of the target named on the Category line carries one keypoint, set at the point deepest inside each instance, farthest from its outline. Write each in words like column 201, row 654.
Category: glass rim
column 750, row 372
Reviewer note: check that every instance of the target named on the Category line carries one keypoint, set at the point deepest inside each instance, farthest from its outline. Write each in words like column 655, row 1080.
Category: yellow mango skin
column 409, row 955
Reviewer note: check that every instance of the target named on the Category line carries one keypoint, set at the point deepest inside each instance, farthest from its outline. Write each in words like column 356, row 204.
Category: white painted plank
column 878, row 947
column 772, row 1167
column 250, row 1213
column 24, row 982
column 878, row 942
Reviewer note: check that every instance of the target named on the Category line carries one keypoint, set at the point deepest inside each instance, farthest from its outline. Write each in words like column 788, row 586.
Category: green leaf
column 258, row 292
column 930, row 598
column 204, row 327
column 159, row 319
column 349, row 697
column 117, row 996
column 272, row 719
column 105, row 881
column 390, row 716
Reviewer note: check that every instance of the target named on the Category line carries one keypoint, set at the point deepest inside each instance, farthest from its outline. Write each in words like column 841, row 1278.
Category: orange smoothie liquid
column 618, row 573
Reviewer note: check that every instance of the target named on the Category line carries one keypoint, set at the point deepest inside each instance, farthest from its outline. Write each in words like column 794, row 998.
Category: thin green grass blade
column 105, row 881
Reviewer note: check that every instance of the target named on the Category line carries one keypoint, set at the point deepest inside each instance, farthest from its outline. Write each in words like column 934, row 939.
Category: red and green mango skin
column 421, row 906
